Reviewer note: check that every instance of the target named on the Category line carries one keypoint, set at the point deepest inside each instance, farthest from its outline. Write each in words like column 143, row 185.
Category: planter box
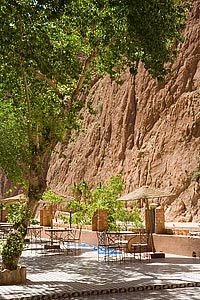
column 17, row 276
column 52, row 247
column 158, row 255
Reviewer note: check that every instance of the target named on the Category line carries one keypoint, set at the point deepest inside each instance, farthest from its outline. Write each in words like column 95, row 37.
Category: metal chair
column 139, row 246
column 102, row 243
column 110, row 245
column 72, row 240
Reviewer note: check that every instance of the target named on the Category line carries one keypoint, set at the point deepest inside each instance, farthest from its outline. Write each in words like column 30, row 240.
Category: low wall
column 89, row 237
column 175, row 244
column 171, row 244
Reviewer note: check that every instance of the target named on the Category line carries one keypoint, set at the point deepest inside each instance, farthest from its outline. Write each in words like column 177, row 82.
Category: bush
column 86, row 202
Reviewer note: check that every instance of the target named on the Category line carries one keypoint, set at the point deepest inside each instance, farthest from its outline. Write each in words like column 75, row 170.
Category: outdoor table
column 35, row 231
column 115, row 244
column 57, row 234
column 139, row 244
column 119, row 240
column 6, row 228
column 139, row 248
column 120, row 233
column 120, row 237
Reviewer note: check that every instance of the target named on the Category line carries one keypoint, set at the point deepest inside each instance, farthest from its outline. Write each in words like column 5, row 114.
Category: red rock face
column 148, row 132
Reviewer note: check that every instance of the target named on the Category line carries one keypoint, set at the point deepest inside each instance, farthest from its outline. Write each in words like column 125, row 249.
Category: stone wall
column 171, row 244
column 180, row 245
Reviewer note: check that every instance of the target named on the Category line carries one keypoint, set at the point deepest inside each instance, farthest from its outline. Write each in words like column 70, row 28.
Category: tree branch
column 25, row 83
column 49, row 82
column 86, row 67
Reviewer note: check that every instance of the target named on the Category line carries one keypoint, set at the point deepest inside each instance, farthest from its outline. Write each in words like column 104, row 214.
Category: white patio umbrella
column 13, row 199
column 146, row 193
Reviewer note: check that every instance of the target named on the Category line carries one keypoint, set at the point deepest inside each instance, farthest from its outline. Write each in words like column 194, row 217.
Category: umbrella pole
column 149, row 226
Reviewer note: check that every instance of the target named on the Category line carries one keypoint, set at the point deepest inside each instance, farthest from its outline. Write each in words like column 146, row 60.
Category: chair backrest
column 114, row 238
column 102, row 238
column 141, row 238
column 74, row 235
column 78, row 232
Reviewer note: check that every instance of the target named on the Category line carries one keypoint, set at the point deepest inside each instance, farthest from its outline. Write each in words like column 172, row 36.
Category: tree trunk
column 13, row 247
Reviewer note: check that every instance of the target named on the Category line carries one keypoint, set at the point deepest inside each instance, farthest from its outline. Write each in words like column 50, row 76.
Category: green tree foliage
column 13, row 146
column 50, row 197
column 82, row 203
column 15, row 242
column 86, row 202
column 196, row 176
column 155, row 27
column 49, row 52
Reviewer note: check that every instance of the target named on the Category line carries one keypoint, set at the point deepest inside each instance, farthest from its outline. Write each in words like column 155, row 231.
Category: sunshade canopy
column 14, row 199
column 145, row 192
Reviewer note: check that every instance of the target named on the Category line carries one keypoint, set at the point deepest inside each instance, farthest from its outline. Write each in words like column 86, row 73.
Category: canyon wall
column 147, row 131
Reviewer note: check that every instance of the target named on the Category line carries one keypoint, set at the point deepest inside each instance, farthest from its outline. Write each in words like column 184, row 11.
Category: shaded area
column 57, row 273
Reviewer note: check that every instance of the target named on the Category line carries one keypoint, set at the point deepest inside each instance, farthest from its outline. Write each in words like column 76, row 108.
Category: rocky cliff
column 147, row 131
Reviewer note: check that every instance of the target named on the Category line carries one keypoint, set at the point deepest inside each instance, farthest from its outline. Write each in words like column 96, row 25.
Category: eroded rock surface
column 148, row 132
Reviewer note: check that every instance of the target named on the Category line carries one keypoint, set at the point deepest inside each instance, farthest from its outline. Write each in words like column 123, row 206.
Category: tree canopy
column 85, row 202
column 50, row 50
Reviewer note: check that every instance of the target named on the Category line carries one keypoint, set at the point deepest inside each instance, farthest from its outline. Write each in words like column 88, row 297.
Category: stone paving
column 61, row 276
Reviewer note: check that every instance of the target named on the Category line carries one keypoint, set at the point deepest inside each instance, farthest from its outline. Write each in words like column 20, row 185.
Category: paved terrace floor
column 60, row 276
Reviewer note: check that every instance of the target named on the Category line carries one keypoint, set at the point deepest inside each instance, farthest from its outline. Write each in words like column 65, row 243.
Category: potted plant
column 11, row 272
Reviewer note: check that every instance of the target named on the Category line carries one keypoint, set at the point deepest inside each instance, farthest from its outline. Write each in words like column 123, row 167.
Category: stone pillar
column 100, row 220
column 4, row 215
column 156, row 219
column 45, row 217
column 159, row 220
column 148, row 220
